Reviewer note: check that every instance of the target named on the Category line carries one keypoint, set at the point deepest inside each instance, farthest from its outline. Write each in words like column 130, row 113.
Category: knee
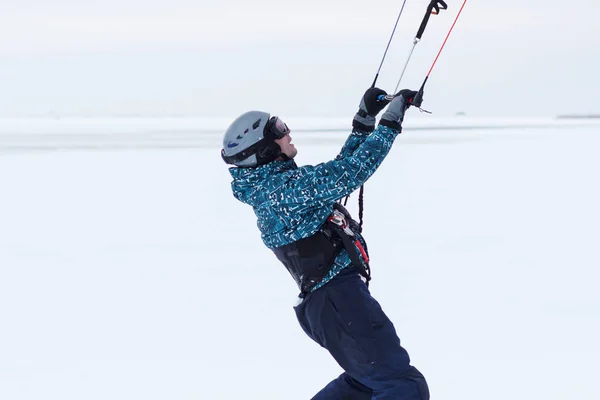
column 414, row 375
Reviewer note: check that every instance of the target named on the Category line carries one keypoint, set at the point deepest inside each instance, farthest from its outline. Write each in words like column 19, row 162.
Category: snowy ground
column 134, row 274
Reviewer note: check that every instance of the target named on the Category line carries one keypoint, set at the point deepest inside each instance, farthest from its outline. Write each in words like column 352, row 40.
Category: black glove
column 413, row 97
column 372, row 102
column 394, row 115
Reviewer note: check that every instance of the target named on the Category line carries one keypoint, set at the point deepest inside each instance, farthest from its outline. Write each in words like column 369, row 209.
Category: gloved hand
column 372, row 102
column 394, row 115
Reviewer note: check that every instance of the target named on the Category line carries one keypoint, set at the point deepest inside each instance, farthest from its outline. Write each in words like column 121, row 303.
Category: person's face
column 287, row 147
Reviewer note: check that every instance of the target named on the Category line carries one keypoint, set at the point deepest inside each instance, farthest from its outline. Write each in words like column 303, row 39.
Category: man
column 315, row 238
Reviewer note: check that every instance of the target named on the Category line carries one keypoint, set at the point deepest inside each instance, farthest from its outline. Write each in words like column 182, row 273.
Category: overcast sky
column 300, row 58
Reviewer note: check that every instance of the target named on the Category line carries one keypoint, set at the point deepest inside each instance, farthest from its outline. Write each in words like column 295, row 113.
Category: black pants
column 343, row 318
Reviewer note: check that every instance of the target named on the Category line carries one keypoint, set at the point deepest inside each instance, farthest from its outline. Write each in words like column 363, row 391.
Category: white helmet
column 250, row 139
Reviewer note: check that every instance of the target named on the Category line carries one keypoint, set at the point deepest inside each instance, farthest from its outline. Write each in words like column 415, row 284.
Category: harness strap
column 337, row 221
column 349, row 245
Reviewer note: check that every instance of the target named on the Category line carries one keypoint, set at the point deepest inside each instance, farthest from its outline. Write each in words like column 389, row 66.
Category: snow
column 130, row 272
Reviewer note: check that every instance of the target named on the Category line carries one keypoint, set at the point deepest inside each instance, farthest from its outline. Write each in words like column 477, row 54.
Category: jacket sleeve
column 355, row 139
column 333, row 180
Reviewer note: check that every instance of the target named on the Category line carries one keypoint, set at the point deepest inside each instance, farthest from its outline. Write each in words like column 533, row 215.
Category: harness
column 309, row 260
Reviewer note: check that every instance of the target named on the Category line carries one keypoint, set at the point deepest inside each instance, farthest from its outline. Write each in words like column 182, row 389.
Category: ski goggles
column 276, row 128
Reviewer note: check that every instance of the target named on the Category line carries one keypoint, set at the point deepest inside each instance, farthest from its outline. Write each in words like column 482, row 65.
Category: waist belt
column 309, row 260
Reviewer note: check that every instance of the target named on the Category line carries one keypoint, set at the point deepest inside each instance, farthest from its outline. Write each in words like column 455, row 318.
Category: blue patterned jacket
column 291, row 202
